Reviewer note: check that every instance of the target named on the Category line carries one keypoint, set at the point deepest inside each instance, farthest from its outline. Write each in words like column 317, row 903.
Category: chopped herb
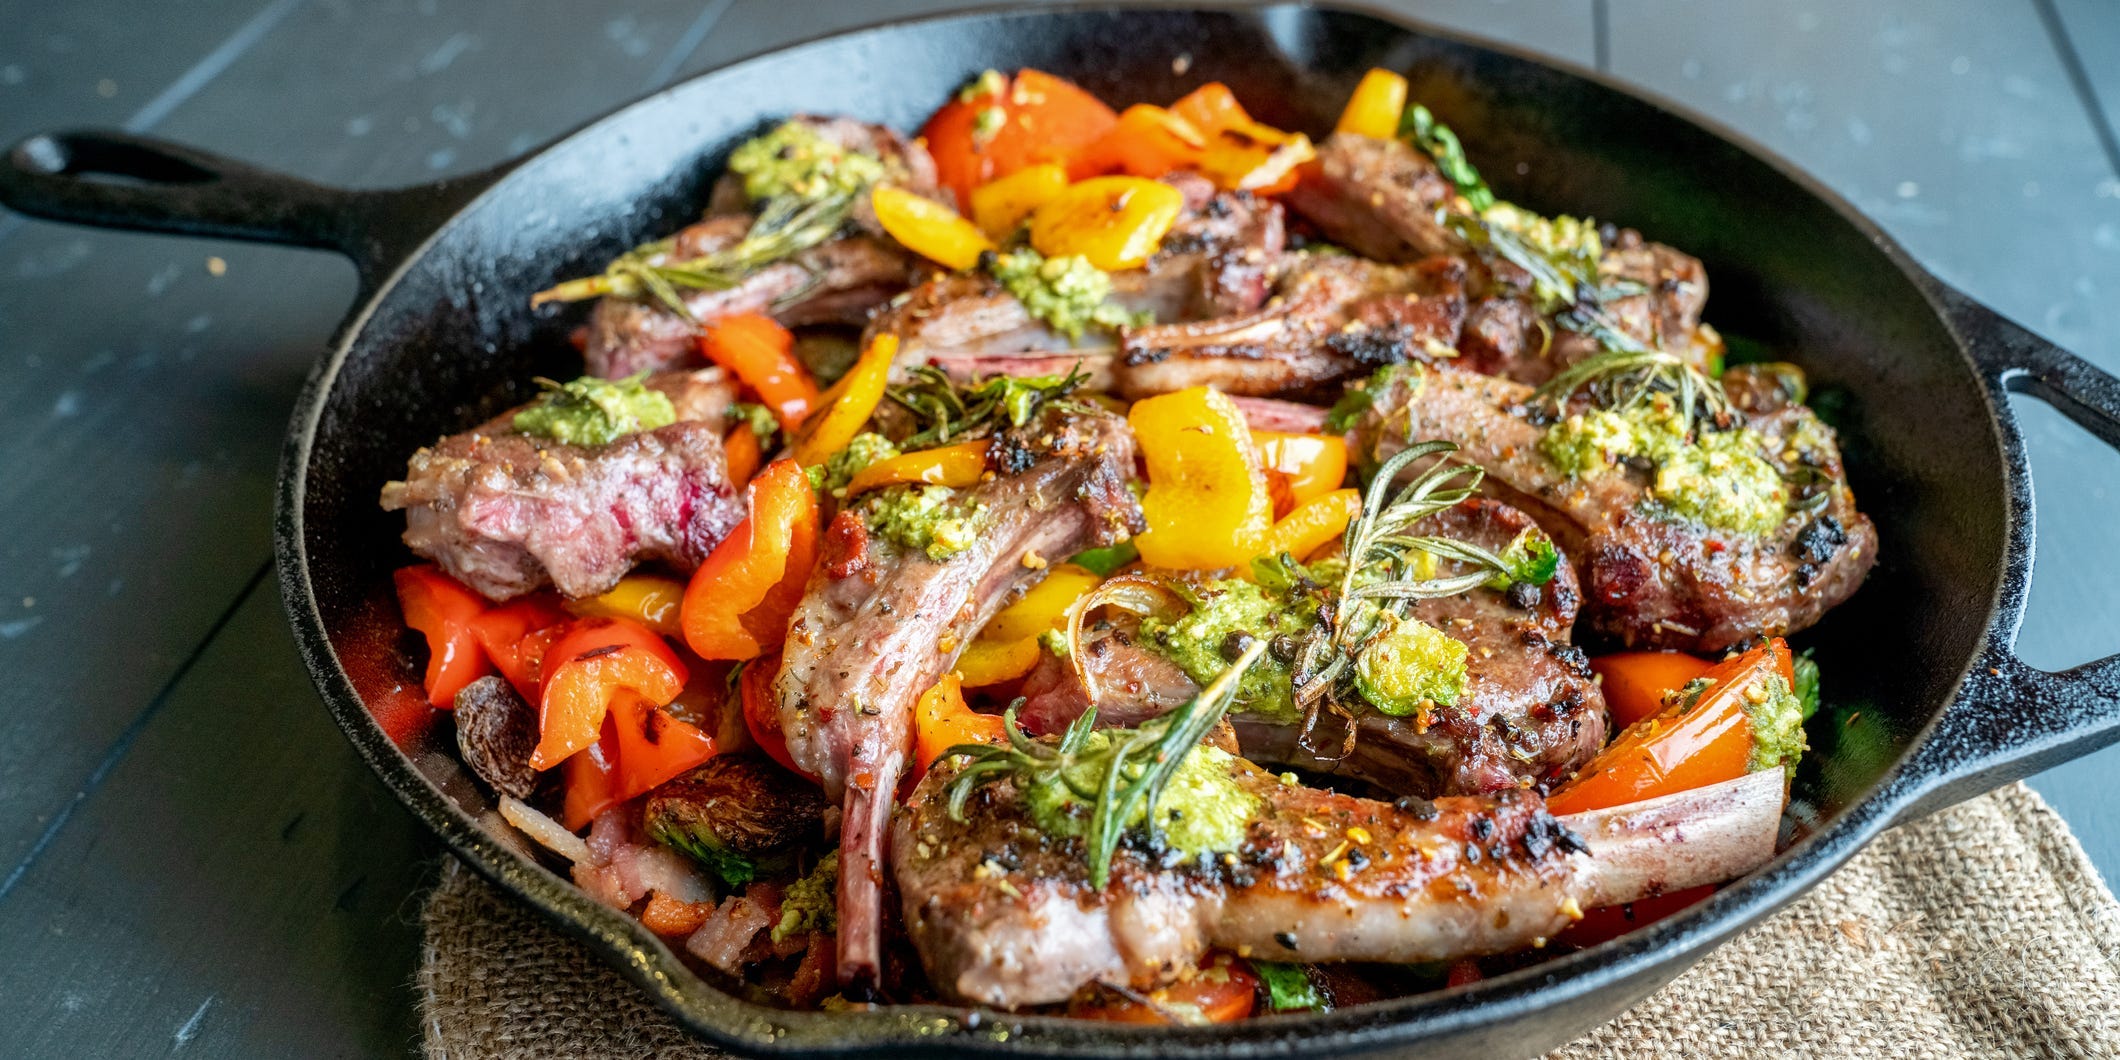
column 1102, row 562
column 948, row 412
column 1419, row 127
column 811, row 903
column 1288, row 986
column 757, row 417
column 592, row 411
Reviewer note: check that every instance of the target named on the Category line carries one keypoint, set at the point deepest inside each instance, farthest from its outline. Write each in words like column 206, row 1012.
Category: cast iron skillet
column 1929, row 703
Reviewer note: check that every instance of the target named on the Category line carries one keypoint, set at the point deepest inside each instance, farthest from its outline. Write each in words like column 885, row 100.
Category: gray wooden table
column 191, row 859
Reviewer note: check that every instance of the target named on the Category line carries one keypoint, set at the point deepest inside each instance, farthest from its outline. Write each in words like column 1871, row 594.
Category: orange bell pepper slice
column 941, row 720
column 761, row 714
column 760, row 353
column 998, row 206
column 742, row 454
column 1115, row 222
column 1211, row 108
column 955, row 466
column 654, row 746
column 1223, row 991
column 1002, row 125
column 1314, row 525
column 1375, row 106
column 738, row 603
column 1680, row 749
column 928, row 228
column 1634, row 682
column 1238, row 162
column 504, row 633
column 590, row 780
column 848, row 405
column 442, row 608
column 1207, row 502
column 1300, row 468
column 650, row 600
column 585, row 635
column 581, row 692
column 1146, row 141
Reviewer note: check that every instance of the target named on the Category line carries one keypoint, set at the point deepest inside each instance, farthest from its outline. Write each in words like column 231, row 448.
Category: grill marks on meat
column 1647, row 581
column 838, row 282
column 1334, row 317
column 862, row 648
column 1003, row 914
column 1218, row 259
column 506, row 513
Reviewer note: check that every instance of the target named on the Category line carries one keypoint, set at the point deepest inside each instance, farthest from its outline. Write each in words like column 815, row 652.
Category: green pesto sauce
column 1720, row 479
column 1067, row 293
column 1777, row 727
column 811, row 903
column 1196, row 642
column 840, row 468
column 1569, row 244
column 592, row 411
column 794, row 160
column 1202, row 810
column 1412, row 667
column 930, row 519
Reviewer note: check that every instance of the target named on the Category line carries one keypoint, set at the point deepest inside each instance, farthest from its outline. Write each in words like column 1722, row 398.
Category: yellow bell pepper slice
column 1115, row 222
column 955, row 466
column 999, row 206
column 644, row 598
column 1240, row 165
column 1306, row 466
column 1314, row 525
column 1207, row 503
column 928, row 228
column 941, row 720
column 990, row 662
column 847, row 406
column 1044, row 607
column 1375, row 106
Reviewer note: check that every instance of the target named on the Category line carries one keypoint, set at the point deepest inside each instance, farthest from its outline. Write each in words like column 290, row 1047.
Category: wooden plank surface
column 139, row 434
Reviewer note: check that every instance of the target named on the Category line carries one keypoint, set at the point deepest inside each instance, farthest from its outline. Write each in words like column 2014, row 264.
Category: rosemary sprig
column 1119, row 772
column 1420, row 128
column 786, row 226
column 948, row 411
column 1389, row 567
column 1623, row 378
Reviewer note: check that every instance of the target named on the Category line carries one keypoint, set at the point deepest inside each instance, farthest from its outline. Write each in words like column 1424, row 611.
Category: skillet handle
column 2010, row 719
column 118, row 180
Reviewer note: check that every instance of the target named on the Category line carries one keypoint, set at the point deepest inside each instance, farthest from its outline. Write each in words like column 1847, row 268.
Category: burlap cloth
column 1980, row 932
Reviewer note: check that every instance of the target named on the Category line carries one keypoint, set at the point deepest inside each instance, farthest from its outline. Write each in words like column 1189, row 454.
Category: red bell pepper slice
column 504, row 633
column 761, row 715
column 761, row 353
column 654, row 746
column 585, row 635
column 580, row 693
column 591, row 781
column 738, row 603
column 441, row 607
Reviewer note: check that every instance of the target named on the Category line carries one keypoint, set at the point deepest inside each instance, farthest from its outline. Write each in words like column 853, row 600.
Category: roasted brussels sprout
column 738, row 815
column 496, row 730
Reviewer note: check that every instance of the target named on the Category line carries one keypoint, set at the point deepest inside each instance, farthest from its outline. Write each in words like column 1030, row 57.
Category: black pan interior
column 451, row 340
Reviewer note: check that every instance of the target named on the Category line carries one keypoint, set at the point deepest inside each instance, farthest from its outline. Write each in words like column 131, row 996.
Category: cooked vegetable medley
column 1144, row 565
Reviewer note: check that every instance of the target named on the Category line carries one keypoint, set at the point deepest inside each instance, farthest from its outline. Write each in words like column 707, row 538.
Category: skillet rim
column 1636, row 963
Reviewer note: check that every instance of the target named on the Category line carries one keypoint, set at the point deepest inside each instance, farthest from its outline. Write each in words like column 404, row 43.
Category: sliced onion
column 547, row 832
column 1141, row 594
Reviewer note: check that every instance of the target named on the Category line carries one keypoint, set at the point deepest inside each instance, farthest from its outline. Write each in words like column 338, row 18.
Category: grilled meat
column 1334, row 316
column 1377, row 198
column 506, row 513
column 1648, row 580
column 1003, row 914
column 869, row 637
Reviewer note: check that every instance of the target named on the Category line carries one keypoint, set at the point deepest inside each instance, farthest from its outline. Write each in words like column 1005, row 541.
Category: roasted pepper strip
column 955, row 466
column 1147, row 141
column 738, row 602
column 742, row 453
column 848, row 405
column 941, row 721
column 1239, row 162
column 1687, row 745
column 1000, row 125
column 999, row 206
column 654, row 746
column 1634, row 682
column 1211, row 108
column 928, row 228
column 761, row 354
column 1300, row 468
column 1375, row 106
column 1207, row 503
column 761, row 715
column 1114, row 222
column 989, row 662
column 442, row 608
column 1314, row 525
column 1044, row 607
column 591, row 780
column 652, row 601
column 581, row 692
column 506, row 633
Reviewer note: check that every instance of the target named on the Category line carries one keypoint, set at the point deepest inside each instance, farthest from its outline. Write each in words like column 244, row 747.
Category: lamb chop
column 1217, row 260
column 1531, row 711
column 1004, row 914
column 877, row 628
column 840, row 281
column 507, row 513
column 1333, row 317
column 1650, row 579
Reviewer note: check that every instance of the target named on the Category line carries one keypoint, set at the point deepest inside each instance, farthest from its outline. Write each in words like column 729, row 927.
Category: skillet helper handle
column 115, row 179
column 2010, row 719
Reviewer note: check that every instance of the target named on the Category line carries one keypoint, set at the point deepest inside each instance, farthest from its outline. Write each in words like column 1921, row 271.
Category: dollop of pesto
column 935, row 520
column 1718, row 479
column 811, row 903
column 840, row 468
column 1777, row 725
column 1568, row 245
column 1410, row 668
column 1068, row 293
column 1224, row 615
column 1202, row 810
column 592, row 411
column 793, row 160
